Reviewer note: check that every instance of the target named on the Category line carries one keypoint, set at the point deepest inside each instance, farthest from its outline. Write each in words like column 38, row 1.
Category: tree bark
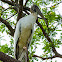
column 6, row 58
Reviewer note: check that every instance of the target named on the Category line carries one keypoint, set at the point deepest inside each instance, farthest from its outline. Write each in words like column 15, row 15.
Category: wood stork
column 24, row 32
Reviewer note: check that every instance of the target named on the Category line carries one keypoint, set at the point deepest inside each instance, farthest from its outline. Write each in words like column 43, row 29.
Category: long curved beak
column 39, row 12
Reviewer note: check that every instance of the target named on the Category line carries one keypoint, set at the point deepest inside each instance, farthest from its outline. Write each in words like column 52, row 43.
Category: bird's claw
column 25, row 48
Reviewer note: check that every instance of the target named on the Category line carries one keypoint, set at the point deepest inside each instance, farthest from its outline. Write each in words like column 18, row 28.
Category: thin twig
column 11, row 16
column 44, row 58
column 39, row 17
column 6, row 9
column 55, row 4
column 27, row 12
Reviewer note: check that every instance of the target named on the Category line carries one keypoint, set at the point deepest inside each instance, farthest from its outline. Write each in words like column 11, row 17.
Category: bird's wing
column 30, row 37
column 16, row 38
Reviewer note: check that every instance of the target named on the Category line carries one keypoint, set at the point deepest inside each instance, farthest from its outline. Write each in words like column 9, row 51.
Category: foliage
column 54, row 22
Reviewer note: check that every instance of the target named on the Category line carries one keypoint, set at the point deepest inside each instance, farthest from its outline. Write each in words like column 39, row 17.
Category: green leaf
column 61, row 33
column 58, row 30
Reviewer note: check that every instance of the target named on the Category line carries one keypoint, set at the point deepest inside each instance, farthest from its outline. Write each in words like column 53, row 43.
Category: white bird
column 24, row 32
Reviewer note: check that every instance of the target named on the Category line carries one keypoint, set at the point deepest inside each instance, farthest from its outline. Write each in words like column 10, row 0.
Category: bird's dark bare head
column 34, row 9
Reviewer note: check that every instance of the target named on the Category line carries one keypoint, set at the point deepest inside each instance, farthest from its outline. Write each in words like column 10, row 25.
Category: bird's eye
column 35, row 10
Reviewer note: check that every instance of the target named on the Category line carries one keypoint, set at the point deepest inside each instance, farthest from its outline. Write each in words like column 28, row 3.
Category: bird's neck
column 35, row 15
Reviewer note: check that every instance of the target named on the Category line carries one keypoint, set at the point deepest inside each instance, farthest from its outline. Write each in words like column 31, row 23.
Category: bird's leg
column 25, row 56
column 26, row 49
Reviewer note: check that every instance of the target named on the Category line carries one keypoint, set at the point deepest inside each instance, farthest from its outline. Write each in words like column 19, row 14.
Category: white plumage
column 24, row 33
column 24, row 30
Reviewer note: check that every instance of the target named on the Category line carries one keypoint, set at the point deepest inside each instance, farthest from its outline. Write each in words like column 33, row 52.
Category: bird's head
column 35, row 9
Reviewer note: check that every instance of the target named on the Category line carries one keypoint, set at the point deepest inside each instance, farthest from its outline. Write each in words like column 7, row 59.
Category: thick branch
column 8, row 26
column 20, row 9
column 8, row 2
column 26, row 8
column 6, row 58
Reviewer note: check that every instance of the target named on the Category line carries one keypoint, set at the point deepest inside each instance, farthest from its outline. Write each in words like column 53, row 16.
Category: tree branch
column 8, row 26
column 26, row 2
column 26, row 8
column 14, row 4
column 48, row 38
column 5, row 9
column 55, row 4
column 8, row 2
column 20, row 9
column 10, row 8
column 45, row 58
column 11, row 16
column 6, row 58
